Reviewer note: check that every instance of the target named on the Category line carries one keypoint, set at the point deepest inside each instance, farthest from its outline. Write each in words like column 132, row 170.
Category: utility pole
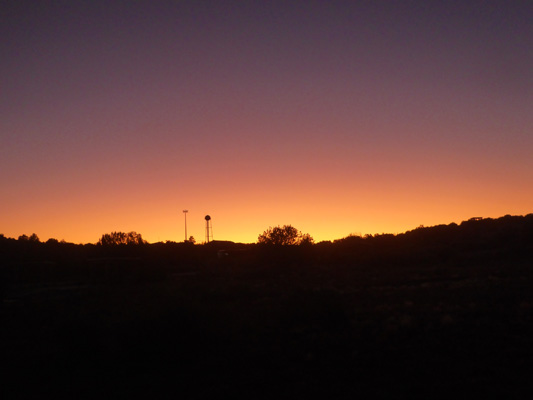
column 185, row 214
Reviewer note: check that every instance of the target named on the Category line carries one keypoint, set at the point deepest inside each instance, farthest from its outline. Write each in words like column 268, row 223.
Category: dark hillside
column 432, row 313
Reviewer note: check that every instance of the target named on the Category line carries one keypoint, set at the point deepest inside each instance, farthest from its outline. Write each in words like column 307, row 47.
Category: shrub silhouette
column 121, row 238
column 286, row 235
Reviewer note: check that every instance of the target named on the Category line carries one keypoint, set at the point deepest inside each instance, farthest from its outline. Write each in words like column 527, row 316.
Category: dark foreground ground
column 271, row 330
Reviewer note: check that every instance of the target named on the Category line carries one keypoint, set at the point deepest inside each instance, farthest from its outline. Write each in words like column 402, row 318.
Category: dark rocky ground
column 461, row 327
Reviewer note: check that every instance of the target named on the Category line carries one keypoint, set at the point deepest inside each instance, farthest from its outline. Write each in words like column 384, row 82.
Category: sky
column 337, row 117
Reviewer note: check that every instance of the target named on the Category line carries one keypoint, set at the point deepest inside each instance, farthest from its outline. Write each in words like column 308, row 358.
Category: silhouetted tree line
column 480, row 239
column 341, row 309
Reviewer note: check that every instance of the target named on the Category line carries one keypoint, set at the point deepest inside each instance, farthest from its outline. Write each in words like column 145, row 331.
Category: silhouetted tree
column 286, row 235
column 306, row 239
column 34, row 238
column 23, row 238
column 121, row 238
column 192, row 240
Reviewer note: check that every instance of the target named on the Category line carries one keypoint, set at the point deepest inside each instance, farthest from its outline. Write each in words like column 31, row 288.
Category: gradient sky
column 337, row 117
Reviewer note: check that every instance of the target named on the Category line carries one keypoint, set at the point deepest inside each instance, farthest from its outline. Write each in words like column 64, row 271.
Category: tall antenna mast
column 185, row 214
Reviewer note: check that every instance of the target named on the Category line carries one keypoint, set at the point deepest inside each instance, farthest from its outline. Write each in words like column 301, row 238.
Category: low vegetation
column 436, row 312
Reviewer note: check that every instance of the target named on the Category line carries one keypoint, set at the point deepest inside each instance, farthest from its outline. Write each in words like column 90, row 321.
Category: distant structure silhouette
column 208, row 229
column 185, row 213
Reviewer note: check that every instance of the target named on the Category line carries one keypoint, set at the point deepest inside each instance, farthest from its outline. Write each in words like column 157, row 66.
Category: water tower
column 208, row 229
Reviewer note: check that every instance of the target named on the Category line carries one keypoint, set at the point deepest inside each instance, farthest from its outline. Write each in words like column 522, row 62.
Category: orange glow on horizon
column 338, row 119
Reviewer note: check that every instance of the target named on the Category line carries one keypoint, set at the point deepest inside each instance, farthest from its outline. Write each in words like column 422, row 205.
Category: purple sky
column 117, row 115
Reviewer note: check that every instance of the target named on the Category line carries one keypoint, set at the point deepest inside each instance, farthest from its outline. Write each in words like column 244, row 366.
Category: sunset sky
column 336, row 117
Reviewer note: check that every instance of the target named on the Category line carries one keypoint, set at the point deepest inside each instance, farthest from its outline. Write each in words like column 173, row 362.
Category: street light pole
column 185, row 214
